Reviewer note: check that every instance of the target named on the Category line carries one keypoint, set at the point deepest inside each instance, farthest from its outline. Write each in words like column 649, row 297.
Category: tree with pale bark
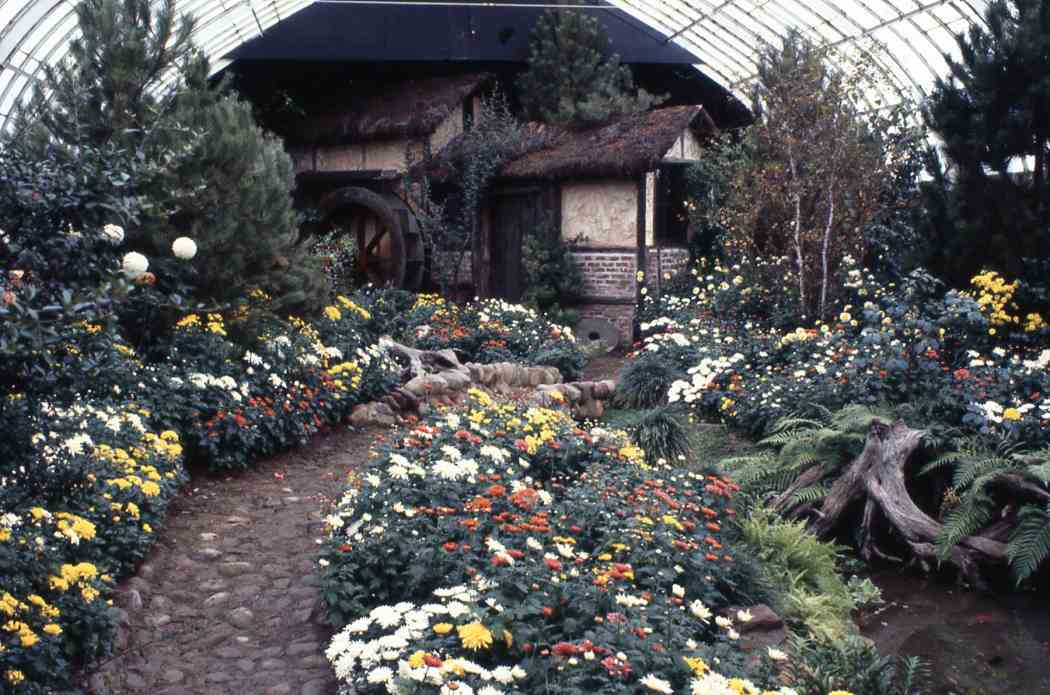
column 818, row 166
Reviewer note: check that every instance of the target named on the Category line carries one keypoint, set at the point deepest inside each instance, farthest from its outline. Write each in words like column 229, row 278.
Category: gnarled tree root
column 876, row 478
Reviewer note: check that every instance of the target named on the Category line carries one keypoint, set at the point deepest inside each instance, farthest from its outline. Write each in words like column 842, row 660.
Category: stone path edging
column 226, row 602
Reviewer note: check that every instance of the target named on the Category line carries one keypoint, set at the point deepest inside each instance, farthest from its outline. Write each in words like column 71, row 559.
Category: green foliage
column 818, row 666
column 990, row 113
column 553, row 280
column 644, row 381
column 1029, row 544
column 337, row 251
column 135, row 80
column 795, row 444
column 975, row 498
column 572, row 78
column 805, row 569
column 565, row 356
column 662, row 435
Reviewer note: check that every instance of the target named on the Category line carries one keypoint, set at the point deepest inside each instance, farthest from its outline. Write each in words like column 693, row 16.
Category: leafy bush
column 645, row 381
column 662, row 435
column 553, row 279
column 806, row 569
column 568, row 359
column 851, row 665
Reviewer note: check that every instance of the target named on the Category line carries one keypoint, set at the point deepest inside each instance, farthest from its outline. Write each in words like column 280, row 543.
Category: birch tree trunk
column 824, row 250
column 798, row 230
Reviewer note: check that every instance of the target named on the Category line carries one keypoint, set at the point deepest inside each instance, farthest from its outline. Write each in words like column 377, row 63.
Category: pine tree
column 991, row 204
column 134, row 78
column 572, row 78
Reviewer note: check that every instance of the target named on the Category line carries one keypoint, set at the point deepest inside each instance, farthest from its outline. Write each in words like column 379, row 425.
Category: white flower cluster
column 376, row 648
column 701, row 375
column 201, row 380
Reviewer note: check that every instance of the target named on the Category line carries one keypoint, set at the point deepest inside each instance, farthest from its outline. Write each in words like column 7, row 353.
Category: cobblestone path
column 226, row 602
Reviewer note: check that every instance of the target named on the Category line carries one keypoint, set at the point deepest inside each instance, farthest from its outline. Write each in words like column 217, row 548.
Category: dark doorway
column 515, row 213
column 670, row 215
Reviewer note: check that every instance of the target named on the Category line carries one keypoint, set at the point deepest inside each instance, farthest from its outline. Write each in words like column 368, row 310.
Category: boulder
column 457, row 380
column 427, row 384
column 374, row 413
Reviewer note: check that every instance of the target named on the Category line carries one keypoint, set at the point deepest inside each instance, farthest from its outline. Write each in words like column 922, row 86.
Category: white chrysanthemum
column 698, row 609
column 744, row 616
column 114, row 233
column 776, row 655
column 657, row 684
column 490, row 690
column 678, row 590
column 502, row 674
column 361, row 624
column 184, row 248
column 383, row 674
column 723, row 622
column 134, row 264
column 386, row 616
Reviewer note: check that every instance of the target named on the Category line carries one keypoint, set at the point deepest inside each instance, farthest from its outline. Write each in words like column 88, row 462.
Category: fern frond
column 1029, row 544
column 808, row 495
column 973, row 469
column 949, row 459
column 1039, row 472
column 796, row 423
column 973, row 512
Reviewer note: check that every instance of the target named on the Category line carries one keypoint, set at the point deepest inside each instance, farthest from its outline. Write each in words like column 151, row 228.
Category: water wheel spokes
column 389, row 248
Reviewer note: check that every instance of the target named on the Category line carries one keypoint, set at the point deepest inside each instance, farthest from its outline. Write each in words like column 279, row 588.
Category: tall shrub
column 815, row 170
column 573, row 78
column 135, row 80
column 988, row 204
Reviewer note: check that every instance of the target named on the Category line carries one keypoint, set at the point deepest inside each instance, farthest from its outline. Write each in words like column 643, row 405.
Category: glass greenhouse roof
column 905, row 39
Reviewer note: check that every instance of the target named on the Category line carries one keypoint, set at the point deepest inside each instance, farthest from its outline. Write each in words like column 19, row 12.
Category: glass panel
column 725, row 35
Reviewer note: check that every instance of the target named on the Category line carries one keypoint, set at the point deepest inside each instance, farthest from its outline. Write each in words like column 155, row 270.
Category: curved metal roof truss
column 905, row 39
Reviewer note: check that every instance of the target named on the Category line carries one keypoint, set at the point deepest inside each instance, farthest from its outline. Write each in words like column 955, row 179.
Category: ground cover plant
column 968, row 368
column 502, row 548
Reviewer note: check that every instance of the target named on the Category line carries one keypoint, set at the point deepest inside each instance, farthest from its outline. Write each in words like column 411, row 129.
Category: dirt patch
column 227, row 601
column 604, row 367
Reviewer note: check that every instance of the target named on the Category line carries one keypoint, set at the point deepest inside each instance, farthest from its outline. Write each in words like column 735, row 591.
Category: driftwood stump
column 876, row 479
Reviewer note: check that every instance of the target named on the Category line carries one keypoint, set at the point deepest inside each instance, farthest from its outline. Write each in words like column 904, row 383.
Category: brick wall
column 608, row 274
column 671, row 261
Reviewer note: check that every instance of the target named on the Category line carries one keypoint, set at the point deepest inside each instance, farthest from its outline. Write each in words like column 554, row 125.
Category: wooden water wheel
column 389, row 246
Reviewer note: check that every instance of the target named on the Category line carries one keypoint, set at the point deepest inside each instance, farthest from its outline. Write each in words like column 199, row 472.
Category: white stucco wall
column 603, row 211
column 687, row 146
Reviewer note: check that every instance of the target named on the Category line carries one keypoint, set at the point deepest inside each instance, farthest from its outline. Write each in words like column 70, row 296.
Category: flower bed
column 954, row 357
column 83, row 513
column 88, row 471
column 503, row 549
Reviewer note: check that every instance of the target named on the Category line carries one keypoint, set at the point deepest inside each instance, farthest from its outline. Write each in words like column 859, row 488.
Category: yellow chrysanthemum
column 475, row 636
column 443, row 628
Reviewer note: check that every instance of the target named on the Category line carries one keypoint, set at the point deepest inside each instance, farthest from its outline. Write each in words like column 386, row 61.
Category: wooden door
column 515, row 214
